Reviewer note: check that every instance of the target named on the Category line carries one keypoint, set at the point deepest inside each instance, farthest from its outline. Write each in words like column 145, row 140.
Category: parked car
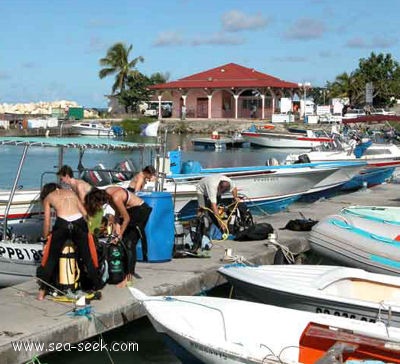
column 353, row 113
column 381, row 111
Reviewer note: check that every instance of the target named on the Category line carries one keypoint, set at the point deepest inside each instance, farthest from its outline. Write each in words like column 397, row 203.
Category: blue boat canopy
column 77, row 143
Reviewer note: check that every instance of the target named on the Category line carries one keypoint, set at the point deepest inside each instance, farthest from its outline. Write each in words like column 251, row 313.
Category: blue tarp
column 360, row 149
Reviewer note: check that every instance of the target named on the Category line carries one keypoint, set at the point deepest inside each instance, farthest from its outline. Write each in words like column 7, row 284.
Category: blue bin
column 160, row 227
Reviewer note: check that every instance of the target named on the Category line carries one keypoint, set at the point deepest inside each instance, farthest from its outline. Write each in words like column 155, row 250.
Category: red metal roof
column 227, row 76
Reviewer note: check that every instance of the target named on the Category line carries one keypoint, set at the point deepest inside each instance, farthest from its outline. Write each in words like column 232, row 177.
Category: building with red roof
column 228, row 91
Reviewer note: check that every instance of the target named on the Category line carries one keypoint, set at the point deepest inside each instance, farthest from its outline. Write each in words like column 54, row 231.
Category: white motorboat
column 372, row 154
column 93, row 129
column 215, row 141
column 381, row 159
column 264, row 188
column 273, row 139
column 203, row 329
column 345, row 172
column 356, row 242
column 335, row 290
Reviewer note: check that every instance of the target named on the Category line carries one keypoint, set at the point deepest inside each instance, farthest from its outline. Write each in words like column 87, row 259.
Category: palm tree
column 117, row 62
column 346, row 85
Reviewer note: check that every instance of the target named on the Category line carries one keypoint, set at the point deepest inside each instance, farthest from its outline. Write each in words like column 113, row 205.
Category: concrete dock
column 24, row 319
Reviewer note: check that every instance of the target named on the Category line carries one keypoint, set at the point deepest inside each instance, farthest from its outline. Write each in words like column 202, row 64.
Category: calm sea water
column 151, row 348
column 41, row 160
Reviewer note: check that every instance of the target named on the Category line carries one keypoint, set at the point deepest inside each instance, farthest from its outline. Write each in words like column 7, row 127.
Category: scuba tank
column 68, row 275
column 116, row 269
column 179, row 234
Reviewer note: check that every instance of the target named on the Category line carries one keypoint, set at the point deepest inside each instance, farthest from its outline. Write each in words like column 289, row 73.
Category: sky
column 50, row 49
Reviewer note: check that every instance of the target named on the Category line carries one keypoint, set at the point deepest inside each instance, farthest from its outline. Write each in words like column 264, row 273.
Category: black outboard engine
column 303, row 158
column 123, row 171
column 98, row 176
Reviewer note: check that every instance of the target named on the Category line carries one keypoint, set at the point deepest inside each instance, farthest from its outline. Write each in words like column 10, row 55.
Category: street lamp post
column 303, row 86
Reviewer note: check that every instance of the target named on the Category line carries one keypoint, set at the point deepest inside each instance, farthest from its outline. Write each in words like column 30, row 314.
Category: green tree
column 117, row 63
column 383, row 71
column 346, row 86
column 136, row 91
column 158, row 77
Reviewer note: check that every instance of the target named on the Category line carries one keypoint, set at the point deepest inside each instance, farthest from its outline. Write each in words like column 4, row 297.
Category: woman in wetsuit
column 131, row 216
column 70, row 224
column 138, row 182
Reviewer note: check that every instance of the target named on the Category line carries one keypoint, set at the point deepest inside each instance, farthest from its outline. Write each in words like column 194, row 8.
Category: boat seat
column 366, row 291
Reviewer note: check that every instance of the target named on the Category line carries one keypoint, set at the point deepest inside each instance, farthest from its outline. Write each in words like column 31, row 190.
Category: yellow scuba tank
column 68, row 268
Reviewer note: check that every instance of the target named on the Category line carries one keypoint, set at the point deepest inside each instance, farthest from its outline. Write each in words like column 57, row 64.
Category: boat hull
column 218, row 330
column 267, row 190
column 303, row 288
column 337, row 239
column 18, row 262
column 276, row 140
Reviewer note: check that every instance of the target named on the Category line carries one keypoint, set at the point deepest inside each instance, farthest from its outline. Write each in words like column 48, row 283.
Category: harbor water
column 41, row 160
column 150, row 347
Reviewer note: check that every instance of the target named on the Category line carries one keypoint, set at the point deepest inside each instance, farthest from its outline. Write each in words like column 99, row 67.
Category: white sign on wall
column 286, row 105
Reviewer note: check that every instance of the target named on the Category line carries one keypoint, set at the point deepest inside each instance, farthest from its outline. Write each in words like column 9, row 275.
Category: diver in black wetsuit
column 70, row 224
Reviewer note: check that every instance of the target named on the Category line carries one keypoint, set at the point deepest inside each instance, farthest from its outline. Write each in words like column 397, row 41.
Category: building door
column 202, row 108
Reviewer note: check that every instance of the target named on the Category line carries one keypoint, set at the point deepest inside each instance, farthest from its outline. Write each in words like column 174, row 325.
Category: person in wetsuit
column 79, row 186
column 137, row 183
column 70, row 224
column 131, row 216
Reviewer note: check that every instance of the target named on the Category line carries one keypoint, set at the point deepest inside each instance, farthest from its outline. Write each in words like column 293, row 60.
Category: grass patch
column 132, row 126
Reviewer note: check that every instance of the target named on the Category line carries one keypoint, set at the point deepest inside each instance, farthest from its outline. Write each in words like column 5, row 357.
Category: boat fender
column 68, row 276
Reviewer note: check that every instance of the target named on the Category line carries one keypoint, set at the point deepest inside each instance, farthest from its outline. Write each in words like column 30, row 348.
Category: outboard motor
column 98, row 176
column 124, row 171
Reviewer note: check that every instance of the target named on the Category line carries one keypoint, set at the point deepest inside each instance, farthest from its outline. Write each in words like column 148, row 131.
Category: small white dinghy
column 340, row 291
column 358, row 242
column 385, row 219
column 203, row 329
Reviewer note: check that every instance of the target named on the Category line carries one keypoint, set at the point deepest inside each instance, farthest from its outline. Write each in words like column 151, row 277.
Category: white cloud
column 168, row 39
column 357, row 42
column 381, row 42
column 291, row 59
column 377, row 42
column 234, row 21
column 306, row 28
column 217, row 39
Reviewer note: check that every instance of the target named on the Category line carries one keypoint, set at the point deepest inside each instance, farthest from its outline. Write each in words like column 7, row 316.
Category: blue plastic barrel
column 159, row 230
